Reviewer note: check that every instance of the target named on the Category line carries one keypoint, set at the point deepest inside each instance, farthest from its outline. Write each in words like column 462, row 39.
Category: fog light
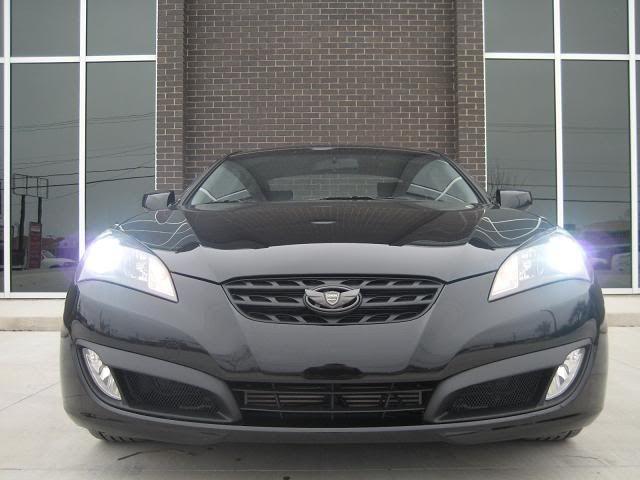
column 101, row 374
column 565, row 374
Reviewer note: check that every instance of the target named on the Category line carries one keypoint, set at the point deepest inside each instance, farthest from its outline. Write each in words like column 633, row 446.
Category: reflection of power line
column 100, row 181
column 582, row 170
column 512, row 127
column 117, row 148
column 100, row 171
column 527, row 184
column 107, row 120
column 123, row 153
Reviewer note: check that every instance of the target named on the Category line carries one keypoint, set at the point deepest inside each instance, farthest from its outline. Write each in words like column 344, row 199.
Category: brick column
column 470, row 87
column 170, row 95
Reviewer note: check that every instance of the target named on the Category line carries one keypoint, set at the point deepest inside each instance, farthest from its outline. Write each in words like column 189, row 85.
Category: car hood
column 219, row 242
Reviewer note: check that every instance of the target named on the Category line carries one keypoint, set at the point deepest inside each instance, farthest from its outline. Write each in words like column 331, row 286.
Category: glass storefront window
column 44, row 176
column 597, row 181
column 121, row 27
column 120, row 148
column 1, row 184
column 519, row 25
column 592, row 104
column 45, row 27
column 521, row 130
column 44, row 230
column 594, row 26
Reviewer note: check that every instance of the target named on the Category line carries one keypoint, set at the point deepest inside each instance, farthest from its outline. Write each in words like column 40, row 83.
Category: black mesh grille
column 332, row 404
column 153, row 394
column 384, row 300
column 505, row 394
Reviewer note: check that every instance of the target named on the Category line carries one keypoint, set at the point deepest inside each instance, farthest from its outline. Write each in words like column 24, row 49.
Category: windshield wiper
column 353, row 197
column 240, row 200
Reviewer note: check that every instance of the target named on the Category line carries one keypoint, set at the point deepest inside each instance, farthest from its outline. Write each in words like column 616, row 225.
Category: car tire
column 560, row 437
column 106, row 437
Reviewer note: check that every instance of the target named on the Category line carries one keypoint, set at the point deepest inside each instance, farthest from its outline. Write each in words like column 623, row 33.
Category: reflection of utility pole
column 28, row 186
column 21, row 227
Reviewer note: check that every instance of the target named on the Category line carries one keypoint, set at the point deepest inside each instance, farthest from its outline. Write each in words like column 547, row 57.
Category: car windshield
column 334, row 174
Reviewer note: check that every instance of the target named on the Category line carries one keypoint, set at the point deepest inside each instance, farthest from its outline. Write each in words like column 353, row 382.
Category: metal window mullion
column 484, row 93
column 155, row 107
column 6, row 217
column 120, row 58
column 633, row 144
column 518, row 56
column 63, row 59
column 557, row 49
column 82, row 113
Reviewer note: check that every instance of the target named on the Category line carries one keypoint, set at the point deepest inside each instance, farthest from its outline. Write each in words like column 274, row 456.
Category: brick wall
column 170, row 81
column 470, row 148
column 244, row 74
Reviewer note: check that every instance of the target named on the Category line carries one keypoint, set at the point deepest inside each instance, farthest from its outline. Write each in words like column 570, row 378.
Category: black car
column 334, row 294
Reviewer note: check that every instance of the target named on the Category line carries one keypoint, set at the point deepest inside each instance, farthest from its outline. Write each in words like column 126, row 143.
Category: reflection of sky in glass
column 44, row 135
column 596, row 163
column 121, row 27
column 45, row 27
column 521, row 130
column 594, row 26
column 1, row 175
column 518, row 25
column 120, row 148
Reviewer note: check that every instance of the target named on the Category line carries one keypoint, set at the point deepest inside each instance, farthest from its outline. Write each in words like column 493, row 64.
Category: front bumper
column 576, row 409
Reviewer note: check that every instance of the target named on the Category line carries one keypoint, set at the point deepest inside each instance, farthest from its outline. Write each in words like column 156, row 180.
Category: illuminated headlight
column 565, row 374
column 101, row 374
column 555, row 257
column 115, row 258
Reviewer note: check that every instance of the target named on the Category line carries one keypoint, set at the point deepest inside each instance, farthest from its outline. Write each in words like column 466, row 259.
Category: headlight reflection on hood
column 555, row 257
column 114, row 258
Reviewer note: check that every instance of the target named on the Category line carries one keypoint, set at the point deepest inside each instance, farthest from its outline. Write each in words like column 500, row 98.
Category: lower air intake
column 519, row 392
column 165, row 397
column 332, row 404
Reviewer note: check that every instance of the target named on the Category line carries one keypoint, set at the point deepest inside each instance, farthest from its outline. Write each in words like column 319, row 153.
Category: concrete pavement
column 38, row 441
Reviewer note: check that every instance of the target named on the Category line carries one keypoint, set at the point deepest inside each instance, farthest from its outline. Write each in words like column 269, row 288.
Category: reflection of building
column 235, row 76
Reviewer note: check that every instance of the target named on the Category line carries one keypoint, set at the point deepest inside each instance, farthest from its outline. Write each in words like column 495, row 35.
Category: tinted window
column 518, row 25
column 594, row 26
column 300, row 175
column 596, row 164
column 120, row 141
column 45, row 27
column 121, row 27
column 44, row 167
column 1, row 184
column 521, row 130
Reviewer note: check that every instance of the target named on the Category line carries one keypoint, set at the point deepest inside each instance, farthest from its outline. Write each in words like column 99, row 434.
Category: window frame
column 632, row 57
column 6, row 61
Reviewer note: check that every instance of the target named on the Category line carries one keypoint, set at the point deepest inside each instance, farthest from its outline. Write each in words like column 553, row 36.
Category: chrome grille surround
column 385, row 299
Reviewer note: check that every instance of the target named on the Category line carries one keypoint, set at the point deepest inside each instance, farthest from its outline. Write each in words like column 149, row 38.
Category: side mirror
column 158, row 200
column 518, row 199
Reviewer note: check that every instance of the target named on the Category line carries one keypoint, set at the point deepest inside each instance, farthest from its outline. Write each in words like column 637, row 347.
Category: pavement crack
column 159, row 450
column 29, row 396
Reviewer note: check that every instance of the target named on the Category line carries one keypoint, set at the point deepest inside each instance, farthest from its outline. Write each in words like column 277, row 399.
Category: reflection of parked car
column 49, row 260
column 604, row 241
column 621, row 262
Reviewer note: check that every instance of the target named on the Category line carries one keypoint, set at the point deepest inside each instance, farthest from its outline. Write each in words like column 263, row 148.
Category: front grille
column 518, row 392
column 384, row 299
column 332, row 404
column 162, row 396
